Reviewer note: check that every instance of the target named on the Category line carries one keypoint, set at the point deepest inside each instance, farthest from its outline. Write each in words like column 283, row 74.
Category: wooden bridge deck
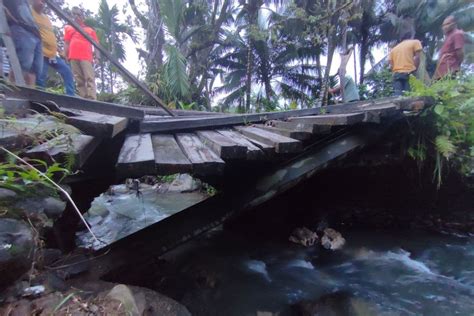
column 202, row 143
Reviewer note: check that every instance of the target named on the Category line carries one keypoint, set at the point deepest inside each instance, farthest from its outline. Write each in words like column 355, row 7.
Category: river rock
column 141, row 301
column 304, row 236
column 16, row 245
column 6, row 194
column 332, row 239
column 53, row 208
column 184, row 183
column 334, row 304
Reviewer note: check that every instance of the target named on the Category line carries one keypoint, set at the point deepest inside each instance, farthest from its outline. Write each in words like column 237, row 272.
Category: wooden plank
column 299, row 135
column 16, row 107
column 330, row 119
column 173, row 125
column 76, row 103
column 56, row 149
column 107, row 126
column 374, row 114
column 184, row 124
column 282, row 144
column 205, row 161
column 253, row 152
column 169, row 157
column 224, row 147
column 136, row 157
column 303, row 127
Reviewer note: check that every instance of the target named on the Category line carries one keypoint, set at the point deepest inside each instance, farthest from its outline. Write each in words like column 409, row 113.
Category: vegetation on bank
column 445, row 132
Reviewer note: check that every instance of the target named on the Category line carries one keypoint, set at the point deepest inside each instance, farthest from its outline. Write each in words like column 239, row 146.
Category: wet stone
column 53, row 207
column 7, row 194
column 16, row 245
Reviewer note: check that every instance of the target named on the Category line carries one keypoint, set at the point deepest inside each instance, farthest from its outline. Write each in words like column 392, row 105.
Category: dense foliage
column 255, row 55
column 446, row 131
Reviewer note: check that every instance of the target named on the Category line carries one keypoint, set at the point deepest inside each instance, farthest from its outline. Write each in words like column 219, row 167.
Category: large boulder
column 16, row 250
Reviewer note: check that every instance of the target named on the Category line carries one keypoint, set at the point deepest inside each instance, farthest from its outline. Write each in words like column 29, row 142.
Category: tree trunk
column 248, row 80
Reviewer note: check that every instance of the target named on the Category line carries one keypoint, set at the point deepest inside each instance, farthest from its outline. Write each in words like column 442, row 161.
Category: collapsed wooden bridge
column 280, row 149
column 202, row 143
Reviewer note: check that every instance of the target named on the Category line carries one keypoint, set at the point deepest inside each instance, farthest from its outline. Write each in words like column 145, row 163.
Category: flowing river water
column 376, row 273
column 393, row 263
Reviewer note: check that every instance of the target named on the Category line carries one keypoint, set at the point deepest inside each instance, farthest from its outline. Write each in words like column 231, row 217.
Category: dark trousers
column 400, row 83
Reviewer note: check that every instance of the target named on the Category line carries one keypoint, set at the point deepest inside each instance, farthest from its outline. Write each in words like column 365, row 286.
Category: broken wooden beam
column 299, row 135
column 169, row 157
column 107, row 126
column 79, row 147
column 137, row 157
column 330, row 119
column 282, row 144
column 184, row 124
column 76, row 103
column 253, row 152
column 303, row 127
column 205, row 161
column 222, row 146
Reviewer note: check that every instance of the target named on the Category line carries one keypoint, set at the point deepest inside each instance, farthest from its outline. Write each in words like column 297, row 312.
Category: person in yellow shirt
column 50, row 50
column 404, row 60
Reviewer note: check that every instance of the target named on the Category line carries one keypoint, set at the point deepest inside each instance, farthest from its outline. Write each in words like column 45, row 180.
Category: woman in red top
column 80, row 53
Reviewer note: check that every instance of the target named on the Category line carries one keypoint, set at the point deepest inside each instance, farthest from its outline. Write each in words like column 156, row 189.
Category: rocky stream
column 379, row 240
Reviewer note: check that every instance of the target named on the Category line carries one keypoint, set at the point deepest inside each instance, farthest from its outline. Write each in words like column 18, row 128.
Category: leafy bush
column 446, row 130
column 21, row 178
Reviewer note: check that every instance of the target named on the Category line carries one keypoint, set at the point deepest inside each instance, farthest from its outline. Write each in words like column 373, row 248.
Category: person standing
column 452, row 51
column 80, row 53
column 404, row 59
column 50, row 50
column 26, row 37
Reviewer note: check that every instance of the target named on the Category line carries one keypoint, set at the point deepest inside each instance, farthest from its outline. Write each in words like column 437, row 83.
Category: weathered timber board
column 176, row 125
column 137, row 157
column 224, row 147
column 331, row 119
column 56, row 149
column 205, row 161
column 301, row 127
column 299, row 135
column 375, row 113
column 76, row 103
column 106, row 126
column 17, row 107
column 253, row 152
column 169, row 157
column 282, row 144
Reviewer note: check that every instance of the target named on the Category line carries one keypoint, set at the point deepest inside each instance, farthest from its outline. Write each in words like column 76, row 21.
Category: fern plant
column 447, row 129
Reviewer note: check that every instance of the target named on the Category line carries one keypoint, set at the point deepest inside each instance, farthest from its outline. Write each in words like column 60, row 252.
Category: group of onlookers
column 404, row 58
column 37, row 48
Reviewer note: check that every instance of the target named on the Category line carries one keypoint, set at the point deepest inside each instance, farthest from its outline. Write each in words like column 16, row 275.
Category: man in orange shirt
column 80, row 53
column 404, row 60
